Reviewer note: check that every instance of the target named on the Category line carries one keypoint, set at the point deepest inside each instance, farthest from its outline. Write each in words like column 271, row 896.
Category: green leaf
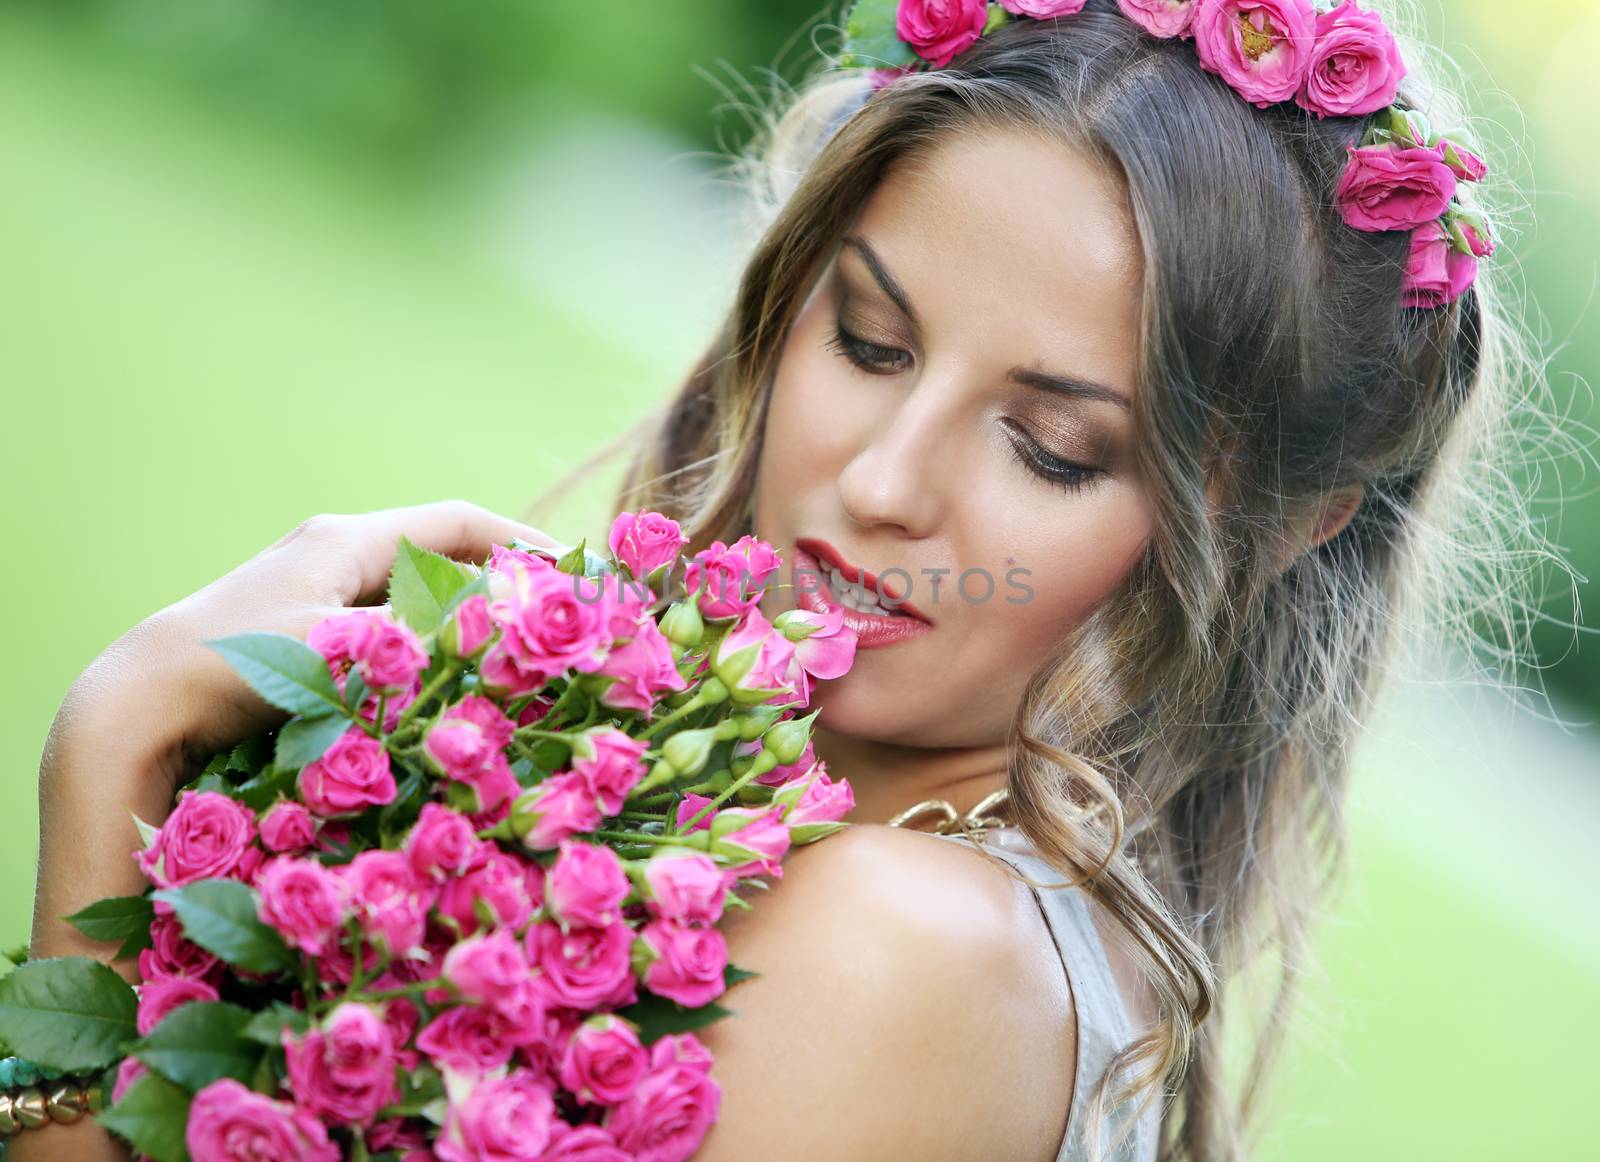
column 871, row 39
column 251, row 755
column 220, row 916
column 262, row 791
column 267, row 1026
column 421, row 585
column 283, row 670
column 211, row 781
column 655, row 1017
column 732, row 975
column 199, row 1043
column 153, row 1115
column 115, row 919
column 68, row 1012
column 573, row 560
column 355, row 692
column 302, row 741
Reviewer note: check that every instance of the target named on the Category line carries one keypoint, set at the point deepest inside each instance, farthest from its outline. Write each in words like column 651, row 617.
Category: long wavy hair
column 1183, row 755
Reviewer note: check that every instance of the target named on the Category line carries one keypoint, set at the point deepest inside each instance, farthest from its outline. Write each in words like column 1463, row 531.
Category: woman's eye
column 869, row 357
column 1063, row 474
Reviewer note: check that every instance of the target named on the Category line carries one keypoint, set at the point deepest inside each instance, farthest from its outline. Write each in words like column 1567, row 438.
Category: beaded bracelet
column 26, row 1104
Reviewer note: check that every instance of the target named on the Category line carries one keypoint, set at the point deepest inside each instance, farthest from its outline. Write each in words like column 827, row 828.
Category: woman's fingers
column 455, row 528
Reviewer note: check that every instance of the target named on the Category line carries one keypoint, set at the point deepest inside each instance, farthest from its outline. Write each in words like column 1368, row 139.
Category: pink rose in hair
column 610, row 763
column 584, row 968
column 1160, row 18
column 668, row 1115
column 585, row 1143
column 1355, row 64
column 1394, row 187
column 468, row 745
column 229, row 1122
column 1480, row 238
column 688, row 962
column 288, row 826
column 1436, row 272
column 498, row 886
column 939, row 29
column 173, row 954
column 442, row 843
column 879, row 78
column 603, row 1061
column 498, row 1119
column 644, row 670
column 561, row 806
column 1466, row 165
column 586, row 885
column 207, row 836
column 1262, row 48
column 352, row 774
column 753, row 660
column 686, row 887
column 390, row 899
column 728, row 580
column 344, row 1071
column 1042, row 9
column 162, row 995
column 385, row 653
column 304, row 902
column 646, row 541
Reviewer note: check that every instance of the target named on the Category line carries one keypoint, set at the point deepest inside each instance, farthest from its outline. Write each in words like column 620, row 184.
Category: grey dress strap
column 1102, row 1019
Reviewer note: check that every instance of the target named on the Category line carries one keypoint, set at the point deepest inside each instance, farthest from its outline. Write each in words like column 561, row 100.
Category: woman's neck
column 886, row 778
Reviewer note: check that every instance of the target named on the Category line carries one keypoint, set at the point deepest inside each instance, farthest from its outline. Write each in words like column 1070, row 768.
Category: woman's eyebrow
column 1068, row 385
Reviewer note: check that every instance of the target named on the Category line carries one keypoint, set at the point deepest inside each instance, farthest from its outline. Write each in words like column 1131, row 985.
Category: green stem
column 442, row 679
column 638, row 837
column 687, row 708
column 756, row 768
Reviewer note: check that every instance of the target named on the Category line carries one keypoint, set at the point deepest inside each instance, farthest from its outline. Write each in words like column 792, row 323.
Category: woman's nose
column 904, row 466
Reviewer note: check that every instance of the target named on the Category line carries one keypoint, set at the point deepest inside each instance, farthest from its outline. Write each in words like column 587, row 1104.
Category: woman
column 1146, row 453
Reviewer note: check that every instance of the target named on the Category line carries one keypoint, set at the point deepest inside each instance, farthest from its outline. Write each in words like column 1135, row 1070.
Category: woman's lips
column 825, row 556
column 872, row 630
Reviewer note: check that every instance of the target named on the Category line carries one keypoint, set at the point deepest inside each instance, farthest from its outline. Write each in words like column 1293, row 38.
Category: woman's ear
column 1328, row 522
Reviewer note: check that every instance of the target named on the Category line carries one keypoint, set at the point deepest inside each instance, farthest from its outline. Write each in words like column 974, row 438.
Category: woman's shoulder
column 908, row 1003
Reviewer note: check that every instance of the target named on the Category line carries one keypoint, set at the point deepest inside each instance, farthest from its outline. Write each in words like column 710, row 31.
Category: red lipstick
column 818, row 558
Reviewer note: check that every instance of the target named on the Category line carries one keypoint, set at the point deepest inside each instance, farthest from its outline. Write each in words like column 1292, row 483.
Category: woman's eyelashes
column 875, row 359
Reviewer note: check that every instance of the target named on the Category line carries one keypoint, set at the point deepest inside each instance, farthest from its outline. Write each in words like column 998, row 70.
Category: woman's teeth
column 856, row 597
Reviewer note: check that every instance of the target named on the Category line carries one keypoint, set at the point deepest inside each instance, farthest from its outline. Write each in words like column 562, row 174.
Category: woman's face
column 951, row 412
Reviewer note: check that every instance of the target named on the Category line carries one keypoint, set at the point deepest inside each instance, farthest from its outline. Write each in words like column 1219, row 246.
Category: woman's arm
column 910, row 1003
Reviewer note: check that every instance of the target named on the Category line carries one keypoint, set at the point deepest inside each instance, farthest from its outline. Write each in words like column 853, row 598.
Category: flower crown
column 1338, row 62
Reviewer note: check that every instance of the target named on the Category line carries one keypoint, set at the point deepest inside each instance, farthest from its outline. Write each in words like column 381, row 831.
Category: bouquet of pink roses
column 462, row 905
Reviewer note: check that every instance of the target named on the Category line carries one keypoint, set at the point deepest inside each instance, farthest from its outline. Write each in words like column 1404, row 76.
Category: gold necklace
column 951, row 822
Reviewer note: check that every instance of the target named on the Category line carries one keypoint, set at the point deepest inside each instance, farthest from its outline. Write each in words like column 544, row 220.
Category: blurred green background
column 263, row 260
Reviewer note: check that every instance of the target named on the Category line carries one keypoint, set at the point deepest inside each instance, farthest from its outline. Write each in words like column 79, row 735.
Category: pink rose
column 561, row 806
column 688, row 964
column 344, row 1071
column 385, row 653
column 689, row 807
column 668, row 1115
column 584, row 968
column 162, row 995
column 488, row 969
column 550, row 622
column 642, row 670
column 130, row 1071
column 1042, row 9
column 881, row 78
column 687, row 887
column 680, row 1049
column 813, row 804
column 610, row 763
column 939, row 29
column 468, row 745
column 442, row 843
column 303, row 901
column 586, row 885
column 498, row 1119
column 1394, row 187
column 1355, row 64
column 207, row 836
column 830, row 649
column 1436, row 272
column 468, row 1039
column 497, row 885
column 1262, row 48
column 783, row 772
column 645, row 542
column 400, row 1137
column 603, row 1061
column 758, row 833
column 586, row 1143
column 352, row 774
column 753, row 660
column 391, row 901
column 1479, row 236
column 231, row 1123
column 1160, row 18
column 469, row 627
column 172, row 954
column 288, row 826
column 1466, row 165
column 728, row 580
